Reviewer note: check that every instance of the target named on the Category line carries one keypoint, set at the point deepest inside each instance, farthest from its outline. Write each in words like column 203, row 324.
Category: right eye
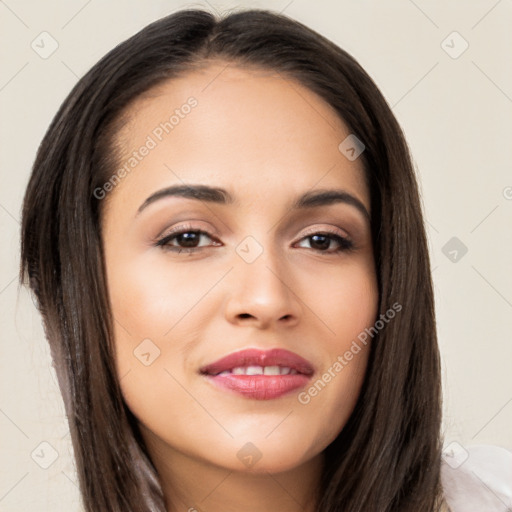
column 184, row 239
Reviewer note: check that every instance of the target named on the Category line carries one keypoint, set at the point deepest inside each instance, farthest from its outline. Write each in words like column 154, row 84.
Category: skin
column 266, row 140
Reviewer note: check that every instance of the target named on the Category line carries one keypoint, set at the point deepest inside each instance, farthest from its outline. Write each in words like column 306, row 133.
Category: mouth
column 259, row 375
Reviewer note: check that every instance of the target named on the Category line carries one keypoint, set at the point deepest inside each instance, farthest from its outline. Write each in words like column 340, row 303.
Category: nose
column 261, row 294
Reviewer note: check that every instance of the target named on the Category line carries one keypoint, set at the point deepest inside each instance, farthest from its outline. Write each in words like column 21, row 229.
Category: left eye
column 322, row 241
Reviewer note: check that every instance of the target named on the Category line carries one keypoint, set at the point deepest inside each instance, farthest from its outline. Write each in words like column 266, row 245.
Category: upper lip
column 256, row 357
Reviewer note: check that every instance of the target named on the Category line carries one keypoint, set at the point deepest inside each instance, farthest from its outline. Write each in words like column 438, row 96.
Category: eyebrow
column 311, row 199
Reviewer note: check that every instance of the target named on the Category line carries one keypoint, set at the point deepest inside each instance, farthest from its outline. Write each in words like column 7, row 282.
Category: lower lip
column 260, row 387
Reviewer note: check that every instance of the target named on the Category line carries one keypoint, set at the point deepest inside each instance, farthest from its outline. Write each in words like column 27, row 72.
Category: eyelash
column 345, row 244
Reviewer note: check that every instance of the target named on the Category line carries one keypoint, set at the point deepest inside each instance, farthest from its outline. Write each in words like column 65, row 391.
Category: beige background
column 457, row 116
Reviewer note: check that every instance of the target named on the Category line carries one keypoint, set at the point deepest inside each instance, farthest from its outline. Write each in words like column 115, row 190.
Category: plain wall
column 456, row 112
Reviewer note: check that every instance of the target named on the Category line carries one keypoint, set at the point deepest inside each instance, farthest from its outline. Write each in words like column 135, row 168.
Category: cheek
column 349, row 307
column 155, row 319
column 346, row 301
column 356, row 308
column 160, row 314
column 151, row 300
column 331, row 398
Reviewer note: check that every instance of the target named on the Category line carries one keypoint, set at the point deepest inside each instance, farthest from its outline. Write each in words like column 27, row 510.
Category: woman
column 224, row 236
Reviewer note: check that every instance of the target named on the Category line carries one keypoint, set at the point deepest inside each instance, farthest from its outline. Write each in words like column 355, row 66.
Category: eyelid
column 344, row 240
column 187, row 226
column 190, row 227
column 330, row 230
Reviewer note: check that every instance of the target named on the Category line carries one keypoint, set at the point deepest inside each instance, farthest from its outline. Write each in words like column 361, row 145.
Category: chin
column 275, row 454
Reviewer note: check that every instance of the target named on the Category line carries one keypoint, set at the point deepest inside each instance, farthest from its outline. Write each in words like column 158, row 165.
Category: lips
column 260, row 375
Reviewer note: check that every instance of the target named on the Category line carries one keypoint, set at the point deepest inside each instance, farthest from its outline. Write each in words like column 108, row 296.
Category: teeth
column 260, row 370
column 254, row 370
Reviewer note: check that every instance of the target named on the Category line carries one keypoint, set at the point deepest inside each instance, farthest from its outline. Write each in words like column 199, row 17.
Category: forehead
column 248, row 128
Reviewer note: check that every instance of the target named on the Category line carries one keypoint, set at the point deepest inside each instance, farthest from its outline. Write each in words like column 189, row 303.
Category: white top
column 477, row 478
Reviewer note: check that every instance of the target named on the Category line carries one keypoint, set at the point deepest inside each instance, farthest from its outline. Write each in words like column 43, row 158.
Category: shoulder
column 477, row 478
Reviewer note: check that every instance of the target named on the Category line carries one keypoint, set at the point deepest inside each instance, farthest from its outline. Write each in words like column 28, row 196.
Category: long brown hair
column 387, row 457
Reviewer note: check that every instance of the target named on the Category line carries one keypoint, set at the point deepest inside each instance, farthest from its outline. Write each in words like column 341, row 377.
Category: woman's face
column 249, row 266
